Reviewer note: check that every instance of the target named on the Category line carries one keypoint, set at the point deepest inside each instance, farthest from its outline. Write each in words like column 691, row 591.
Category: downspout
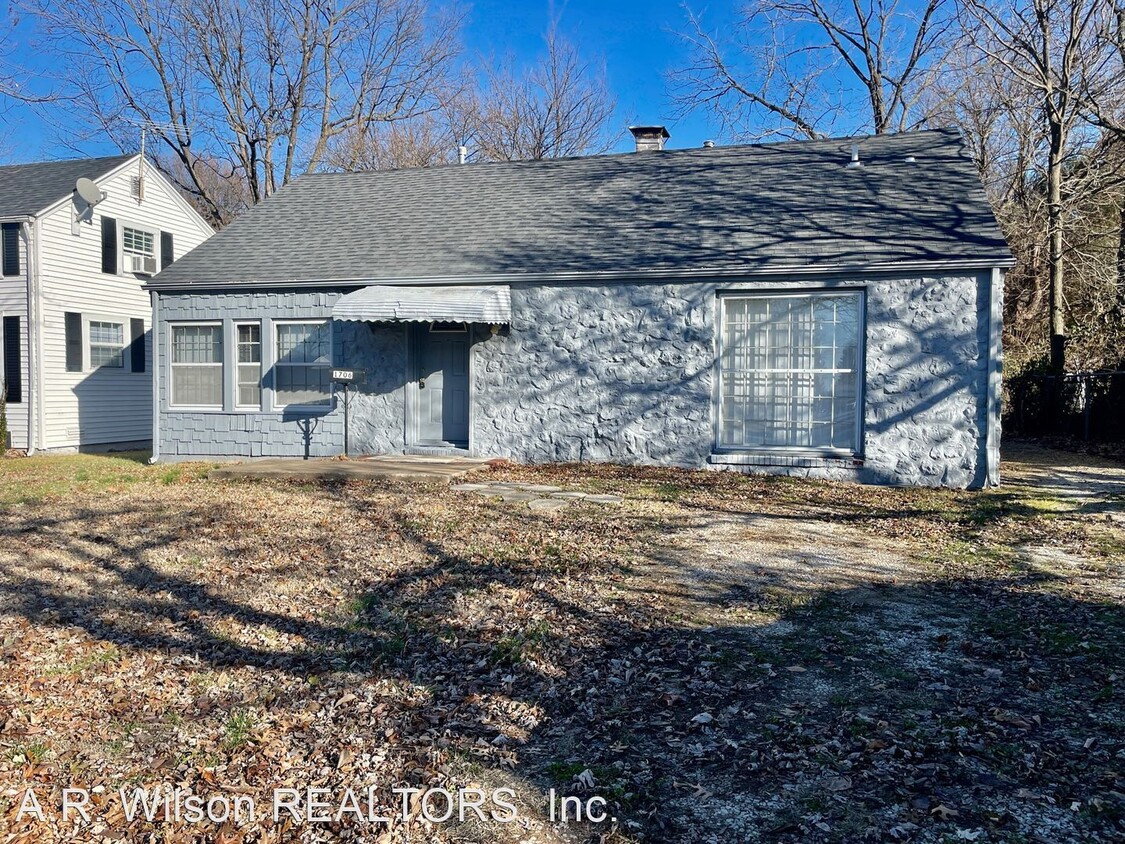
column 34, row 342
column 155, row 376
column 995, row 369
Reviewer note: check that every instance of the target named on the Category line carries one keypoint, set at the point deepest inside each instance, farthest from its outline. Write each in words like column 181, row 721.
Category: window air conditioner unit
column 143, row 264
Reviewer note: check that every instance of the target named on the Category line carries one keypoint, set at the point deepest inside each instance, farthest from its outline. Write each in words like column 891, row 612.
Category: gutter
column 973, row 264
column 155, row 377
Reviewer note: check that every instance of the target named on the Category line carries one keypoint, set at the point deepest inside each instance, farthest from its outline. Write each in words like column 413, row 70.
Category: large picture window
column 790, row 370
column 197, row 366
column 304, row 363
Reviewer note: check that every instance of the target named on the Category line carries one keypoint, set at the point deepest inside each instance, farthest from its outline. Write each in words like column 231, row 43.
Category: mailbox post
column 347, row 377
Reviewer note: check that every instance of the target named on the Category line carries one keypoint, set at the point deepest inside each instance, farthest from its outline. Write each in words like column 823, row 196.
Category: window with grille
column 107, row 344
column 137, row 242
column 249, row 364
column 304, row 363
column 790, row 370
column 197, row 366
column 138, row 250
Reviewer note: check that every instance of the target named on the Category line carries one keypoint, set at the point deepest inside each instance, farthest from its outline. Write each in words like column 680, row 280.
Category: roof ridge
column 76, row 160
column 629, row 155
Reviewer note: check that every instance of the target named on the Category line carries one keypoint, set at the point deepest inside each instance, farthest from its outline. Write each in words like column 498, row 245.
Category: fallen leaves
column 239, row 637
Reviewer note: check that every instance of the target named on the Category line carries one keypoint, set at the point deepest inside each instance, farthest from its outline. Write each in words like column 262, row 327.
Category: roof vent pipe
column 462, row 154
column 708, row 144
column 855, row 162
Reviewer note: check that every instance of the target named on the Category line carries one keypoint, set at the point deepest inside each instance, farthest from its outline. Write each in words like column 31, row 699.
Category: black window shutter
column 73, row 342
column 11, row 248
column 167, row 249
column 137, row 346
column 109, row 245
column 13, row 363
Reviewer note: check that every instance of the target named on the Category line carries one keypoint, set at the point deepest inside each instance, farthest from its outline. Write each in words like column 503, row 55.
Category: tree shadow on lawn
column 901, row 711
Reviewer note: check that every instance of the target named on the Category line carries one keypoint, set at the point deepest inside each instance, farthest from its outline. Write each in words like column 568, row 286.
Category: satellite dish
column 89, row 191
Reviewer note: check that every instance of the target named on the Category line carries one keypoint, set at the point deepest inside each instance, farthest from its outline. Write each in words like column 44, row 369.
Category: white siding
column 13, row 302
column 102, row 405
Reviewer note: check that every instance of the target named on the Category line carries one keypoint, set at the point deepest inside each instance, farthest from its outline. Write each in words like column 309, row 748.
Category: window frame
column 238, row 364
column 123, row 254
column 88, row 343
column 210, row 408
column 276, row 362
column 722, row 296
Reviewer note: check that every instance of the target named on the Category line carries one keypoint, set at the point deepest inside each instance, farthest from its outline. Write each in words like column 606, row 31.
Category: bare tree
column 1103, row 86
column 254, row 89
column 1049, row 48
column 560, row 107
column 800, row 68
column 426, row 141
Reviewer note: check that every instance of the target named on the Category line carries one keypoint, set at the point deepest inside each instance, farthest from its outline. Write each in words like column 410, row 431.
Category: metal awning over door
column 491, row 305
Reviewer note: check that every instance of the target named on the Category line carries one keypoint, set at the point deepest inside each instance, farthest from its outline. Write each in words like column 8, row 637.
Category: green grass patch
column 33, row 480
column 511, row 649
column 238, row 730
column 94, row 659
column 33, row 753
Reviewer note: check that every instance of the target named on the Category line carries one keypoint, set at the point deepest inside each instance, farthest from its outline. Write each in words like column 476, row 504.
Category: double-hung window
column 197, row 366
column 107, row 344
column 303, row 364
column 138, row 250
column 249, row 364
column 790, row 371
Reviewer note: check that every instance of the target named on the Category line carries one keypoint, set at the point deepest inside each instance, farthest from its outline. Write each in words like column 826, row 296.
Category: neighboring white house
column 75, row 323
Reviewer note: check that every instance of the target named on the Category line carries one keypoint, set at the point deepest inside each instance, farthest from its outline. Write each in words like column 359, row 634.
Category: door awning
column 381, row 303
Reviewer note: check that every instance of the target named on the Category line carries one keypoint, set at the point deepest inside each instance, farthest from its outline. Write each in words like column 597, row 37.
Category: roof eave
column 983, row 263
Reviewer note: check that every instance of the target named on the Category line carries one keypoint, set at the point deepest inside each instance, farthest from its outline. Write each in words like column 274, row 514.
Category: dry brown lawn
column 722, row 658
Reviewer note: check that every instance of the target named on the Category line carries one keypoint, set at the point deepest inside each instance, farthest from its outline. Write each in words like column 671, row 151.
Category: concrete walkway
column 414, row 469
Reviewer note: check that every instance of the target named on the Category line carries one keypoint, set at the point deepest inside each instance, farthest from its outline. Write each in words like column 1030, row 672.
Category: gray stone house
column 825, row 308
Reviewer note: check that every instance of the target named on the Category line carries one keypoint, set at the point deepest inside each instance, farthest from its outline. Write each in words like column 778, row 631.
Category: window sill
column 796, row 458
column 301, row 408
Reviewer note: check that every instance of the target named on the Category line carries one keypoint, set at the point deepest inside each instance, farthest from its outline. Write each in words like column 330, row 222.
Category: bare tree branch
column 801, row 64
column 256, row 90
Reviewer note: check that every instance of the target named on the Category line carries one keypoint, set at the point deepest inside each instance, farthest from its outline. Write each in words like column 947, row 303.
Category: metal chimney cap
column 649, row 131
column 708, row 144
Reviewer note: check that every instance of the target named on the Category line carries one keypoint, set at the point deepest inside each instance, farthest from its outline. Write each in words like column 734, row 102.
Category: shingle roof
column 724, row 209
column 27, row 189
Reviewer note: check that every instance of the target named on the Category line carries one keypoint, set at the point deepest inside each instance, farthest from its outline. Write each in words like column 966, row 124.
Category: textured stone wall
column 927, row 381
column 619, row 373
column 626, row 373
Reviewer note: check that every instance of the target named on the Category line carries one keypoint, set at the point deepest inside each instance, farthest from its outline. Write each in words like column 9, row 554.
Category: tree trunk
column 1055, row 252
column 1120, row 300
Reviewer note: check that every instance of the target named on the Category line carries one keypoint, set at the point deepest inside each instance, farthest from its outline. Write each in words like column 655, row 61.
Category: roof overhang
column 489, row 304
column 771, row 271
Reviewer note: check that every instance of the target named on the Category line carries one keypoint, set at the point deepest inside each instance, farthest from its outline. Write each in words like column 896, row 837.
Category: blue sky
column 635, row 39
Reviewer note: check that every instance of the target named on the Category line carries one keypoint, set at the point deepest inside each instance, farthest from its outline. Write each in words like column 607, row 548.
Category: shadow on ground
column 871, row 703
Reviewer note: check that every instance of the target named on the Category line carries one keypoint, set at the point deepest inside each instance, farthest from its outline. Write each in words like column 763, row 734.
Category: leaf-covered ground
column 723, row 658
